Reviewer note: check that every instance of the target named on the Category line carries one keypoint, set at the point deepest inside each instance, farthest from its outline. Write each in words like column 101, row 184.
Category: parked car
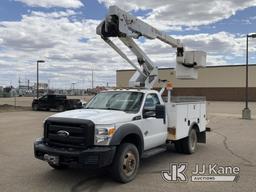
column 59, row 102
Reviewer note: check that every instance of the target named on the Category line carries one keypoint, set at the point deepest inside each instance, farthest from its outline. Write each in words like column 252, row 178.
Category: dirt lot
column 27, row 101
column 231, row 142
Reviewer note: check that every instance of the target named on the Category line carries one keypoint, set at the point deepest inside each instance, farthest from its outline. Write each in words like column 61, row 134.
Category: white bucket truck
column 119, row 127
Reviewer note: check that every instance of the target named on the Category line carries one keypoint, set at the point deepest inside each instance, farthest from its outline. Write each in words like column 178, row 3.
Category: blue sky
column 62, row 32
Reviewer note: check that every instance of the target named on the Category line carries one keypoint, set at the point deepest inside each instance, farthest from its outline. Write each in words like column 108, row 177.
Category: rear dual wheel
column 187, row 145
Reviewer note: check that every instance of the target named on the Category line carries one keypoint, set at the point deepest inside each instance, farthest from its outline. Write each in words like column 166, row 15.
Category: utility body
column 119, row 127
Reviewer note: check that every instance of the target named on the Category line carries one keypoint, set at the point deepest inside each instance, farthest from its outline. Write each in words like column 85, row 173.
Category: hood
column 97, row 116
column 35, row 100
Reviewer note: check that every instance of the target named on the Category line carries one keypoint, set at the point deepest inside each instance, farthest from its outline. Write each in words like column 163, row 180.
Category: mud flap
column 201, row 137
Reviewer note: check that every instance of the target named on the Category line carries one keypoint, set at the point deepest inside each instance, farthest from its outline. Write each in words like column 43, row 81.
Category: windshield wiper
column 124, row 110
column 109, row 108
column 102, row 108
column 115, row 109
column 89, row 108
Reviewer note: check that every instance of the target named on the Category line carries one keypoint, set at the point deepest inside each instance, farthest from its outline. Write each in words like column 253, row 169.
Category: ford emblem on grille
column 63, row 133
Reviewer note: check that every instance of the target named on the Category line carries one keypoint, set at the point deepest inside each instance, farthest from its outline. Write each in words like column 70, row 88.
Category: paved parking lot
column 231, row 142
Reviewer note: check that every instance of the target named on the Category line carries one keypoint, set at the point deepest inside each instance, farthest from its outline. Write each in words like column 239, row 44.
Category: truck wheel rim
column 193, row 140
column 129, row 163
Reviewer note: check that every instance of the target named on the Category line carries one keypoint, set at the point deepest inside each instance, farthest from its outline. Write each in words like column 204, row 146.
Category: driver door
column 154, row 130
column 43, row 102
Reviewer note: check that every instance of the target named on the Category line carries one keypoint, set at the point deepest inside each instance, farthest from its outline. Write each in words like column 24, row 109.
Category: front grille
column 80, row 132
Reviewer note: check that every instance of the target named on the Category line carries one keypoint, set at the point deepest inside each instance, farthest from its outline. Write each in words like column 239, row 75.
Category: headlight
column 102, row 131
column 104, row 135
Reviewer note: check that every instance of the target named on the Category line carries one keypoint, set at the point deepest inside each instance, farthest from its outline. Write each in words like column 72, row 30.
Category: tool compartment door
column 194, row 112
column 203, row 117
column 177, row 120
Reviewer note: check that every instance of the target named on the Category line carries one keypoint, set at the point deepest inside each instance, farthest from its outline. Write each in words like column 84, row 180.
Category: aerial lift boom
column 123, row 25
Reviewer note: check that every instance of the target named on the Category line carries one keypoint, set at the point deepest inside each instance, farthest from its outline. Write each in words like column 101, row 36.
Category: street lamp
column 37, row 76
column 247, row 112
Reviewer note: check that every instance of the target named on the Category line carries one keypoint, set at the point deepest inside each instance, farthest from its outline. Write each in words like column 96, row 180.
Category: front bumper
column 94, row 157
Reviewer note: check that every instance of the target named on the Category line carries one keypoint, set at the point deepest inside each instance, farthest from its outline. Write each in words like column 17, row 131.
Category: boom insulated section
column 126, row 27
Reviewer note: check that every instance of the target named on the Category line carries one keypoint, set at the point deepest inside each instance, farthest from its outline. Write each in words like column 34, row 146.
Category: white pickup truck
column 118, row 128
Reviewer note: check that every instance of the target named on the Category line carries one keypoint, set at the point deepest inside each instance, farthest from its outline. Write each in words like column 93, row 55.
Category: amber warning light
column 169, row 86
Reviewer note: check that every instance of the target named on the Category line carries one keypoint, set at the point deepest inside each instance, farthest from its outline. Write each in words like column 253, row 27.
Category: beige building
column 221, row 83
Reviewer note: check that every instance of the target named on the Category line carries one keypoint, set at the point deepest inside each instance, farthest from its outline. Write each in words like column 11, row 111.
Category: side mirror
column 83, row 103
column 148, row 114
column 160, row 112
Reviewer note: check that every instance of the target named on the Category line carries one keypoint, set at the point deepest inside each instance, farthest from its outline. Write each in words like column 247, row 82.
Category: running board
column 154, row 151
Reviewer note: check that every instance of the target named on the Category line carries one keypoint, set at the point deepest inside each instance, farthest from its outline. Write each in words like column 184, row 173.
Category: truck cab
column 118, row 128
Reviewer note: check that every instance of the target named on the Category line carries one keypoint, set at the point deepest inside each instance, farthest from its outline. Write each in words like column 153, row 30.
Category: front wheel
column 58, row 167
column 35, row 107
column 126, row 163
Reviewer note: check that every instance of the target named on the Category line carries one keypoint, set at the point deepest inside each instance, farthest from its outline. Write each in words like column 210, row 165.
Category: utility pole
column 73, row 88
column 19, row 82
column 37, row 77
column 19, row 85
column 28, row 84
column 92, row 78
column 48, row 85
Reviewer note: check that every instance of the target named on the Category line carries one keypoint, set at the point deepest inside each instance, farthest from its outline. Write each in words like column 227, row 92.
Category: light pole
column 92, row 77
column 246, row 114
column 37, row 76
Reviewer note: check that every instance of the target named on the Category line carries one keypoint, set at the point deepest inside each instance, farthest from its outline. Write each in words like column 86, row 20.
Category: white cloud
column 184, row 12
column 222, row 48
column 253, row 18
column 59, row 14
column 71, row 47
column 53, row 3
column 222, row 43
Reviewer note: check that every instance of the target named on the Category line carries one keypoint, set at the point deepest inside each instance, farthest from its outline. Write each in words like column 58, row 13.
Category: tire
column 61, row 108
column 126, row 163
column 189, row 144
column 178, row 146
column 35, row 107
column 58, row 167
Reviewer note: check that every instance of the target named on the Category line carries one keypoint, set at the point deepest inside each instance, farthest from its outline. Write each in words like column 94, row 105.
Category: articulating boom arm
column 123, row 25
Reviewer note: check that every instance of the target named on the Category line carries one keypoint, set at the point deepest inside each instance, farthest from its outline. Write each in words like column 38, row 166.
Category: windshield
column 117, row 100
